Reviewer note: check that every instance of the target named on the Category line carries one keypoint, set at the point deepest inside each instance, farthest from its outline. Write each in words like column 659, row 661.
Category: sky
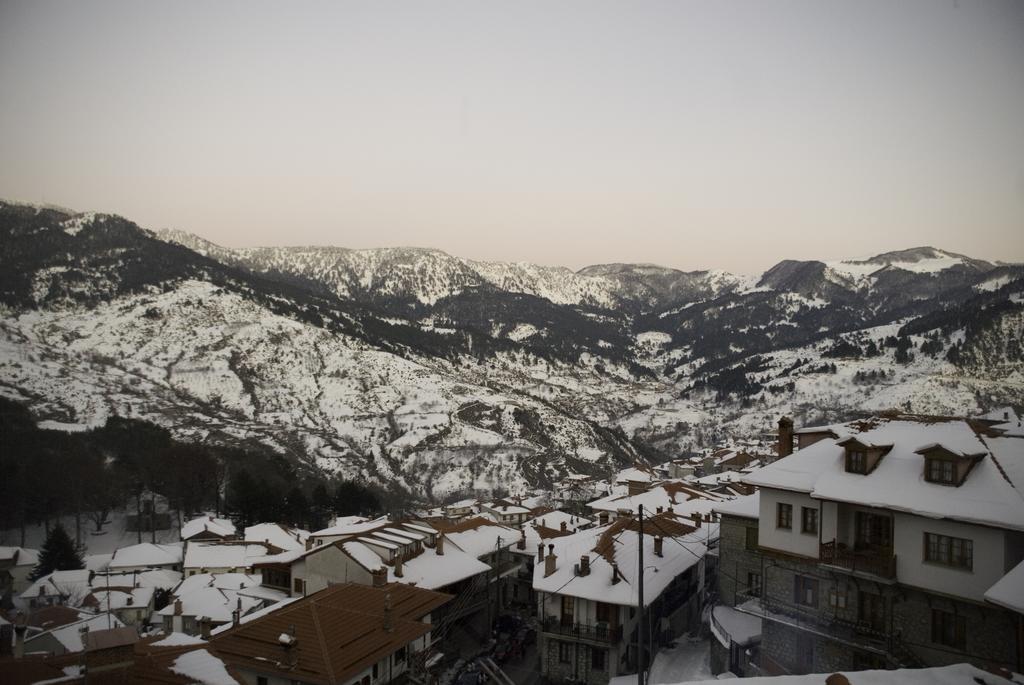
column 694, row 134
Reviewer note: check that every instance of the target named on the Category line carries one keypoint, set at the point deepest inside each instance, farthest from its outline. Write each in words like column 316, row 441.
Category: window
column 603, row 612
column 567, row 610
column 949, row 551
column 784, row 515
column 805, row 591
column 872, row 531
column 837, row 599
column 754, row 584
column 400, row 654
column 376, row 671
column 856, row 461
column 599, row 659
column 261, row 680
column 940, row 471
column 949, row 629
column 299, row 586
column 871, row 611
column 751, row 537
column 809, row 520
column 565, row 652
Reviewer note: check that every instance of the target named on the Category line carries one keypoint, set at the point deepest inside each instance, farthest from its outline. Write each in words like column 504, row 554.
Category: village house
column 64, row 588
column 71, row 638
column 736, row 635
column 878, row 546
column 16, row 564
column 203, row 602
column 147, row 555
column 549, row 525
column 285, row 538
column 133, row 606
column 588, row 594
column 386, row 633
column 223, row 557
column 505, row 512
column 208, row 528
column 679, row 497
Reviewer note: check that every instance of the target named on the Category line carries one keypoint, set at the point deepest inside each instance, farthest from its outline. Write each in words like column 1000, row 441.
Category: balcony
column 594, row 633
column 878, row 561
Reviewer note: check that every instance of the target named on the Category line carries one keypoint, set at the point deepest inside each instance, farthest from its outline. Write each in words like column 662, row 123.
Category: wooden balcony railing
column 595, row 633
column 879, row 561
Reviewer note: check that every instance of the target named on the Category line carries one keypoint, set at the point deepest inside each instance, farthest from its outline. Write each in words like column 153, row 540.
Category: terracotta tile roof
column 665, row 525
column 338, row 632
column 153, row 663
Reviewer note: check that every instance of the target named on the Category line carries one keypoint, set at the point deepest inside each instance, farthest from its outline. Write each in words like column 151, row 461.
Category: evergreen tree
column 58, row 554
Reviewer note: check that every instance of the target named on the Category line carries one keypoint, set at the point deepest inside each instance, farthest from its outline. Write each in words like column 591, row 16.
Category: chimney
column 439, row 545
column 696, row 520
column 204, row 627
column 540, row 551
column 549, row 561
column 637, row 487
column 388, row 627
column 236, row 615
column 615, row 573
column 522, row 541
column 660, row 510
column 398, row 566
column 585, row 565
column 785, row 447
column 177, row 607
column 380, row 576
column 130, row 601
column 658, row 550
column 562, row 527
column 19, row 635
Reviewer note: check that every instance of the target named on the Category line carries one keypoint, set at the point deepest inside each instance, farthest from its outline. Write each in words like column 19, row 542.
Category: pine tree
column 58, row 554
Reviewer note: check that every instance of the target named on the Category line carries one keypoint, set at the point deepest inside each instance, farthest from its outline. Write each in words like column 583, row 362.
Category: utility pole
column 641, row 661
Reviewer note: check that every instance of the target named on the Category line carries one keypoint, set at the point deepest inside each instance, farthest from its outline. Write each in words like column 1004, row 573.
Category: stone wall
column 735, row 560
column 580, row 661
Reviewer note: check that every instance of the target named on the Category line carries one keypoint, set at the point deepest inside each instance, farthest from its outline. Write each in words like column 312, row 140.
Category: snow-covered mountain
column 437, row 375
column 403, row 275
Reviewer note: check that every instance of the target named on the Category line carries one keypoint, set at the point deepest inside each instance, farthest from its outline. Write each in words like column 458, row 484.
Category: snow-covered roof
column 713, row 479
column 221, row 555
column 162, row 578
column 113, row 600
column 737, row 626
column 178, row 640
column 679, row 496
column 505, row 508
column 898, row 483
column 223, row 581
column 432, row 572
column 69, row 636
column 555, row 519
column 147, row 554
column 1008, row 592
column 214, row 603
column 634, row 474
column 478, row 537
column 208, row 524
column 200, row 666
column 362, row 555
column 282, row 537
column 618, row 542
column 747, row 507
column 958, row 674
column 71, row 584
column 20, row 556
column 1001, row 415
column 352, row 526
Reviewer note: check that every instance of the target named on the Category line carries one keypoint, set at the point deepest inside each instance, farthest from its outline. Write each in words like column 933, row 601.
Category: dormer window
column 857, row 461
column 947, row 467
column 862, row 457
column 940, row 471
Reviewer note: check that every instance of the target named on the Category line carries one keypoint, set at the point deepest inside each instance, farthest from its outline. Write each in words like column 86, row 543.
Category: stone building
column 878, row 541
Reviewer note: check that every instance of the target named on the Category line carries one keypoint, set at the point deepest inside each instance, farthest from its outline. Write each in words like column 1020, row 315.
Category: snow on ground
column 689, row 660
